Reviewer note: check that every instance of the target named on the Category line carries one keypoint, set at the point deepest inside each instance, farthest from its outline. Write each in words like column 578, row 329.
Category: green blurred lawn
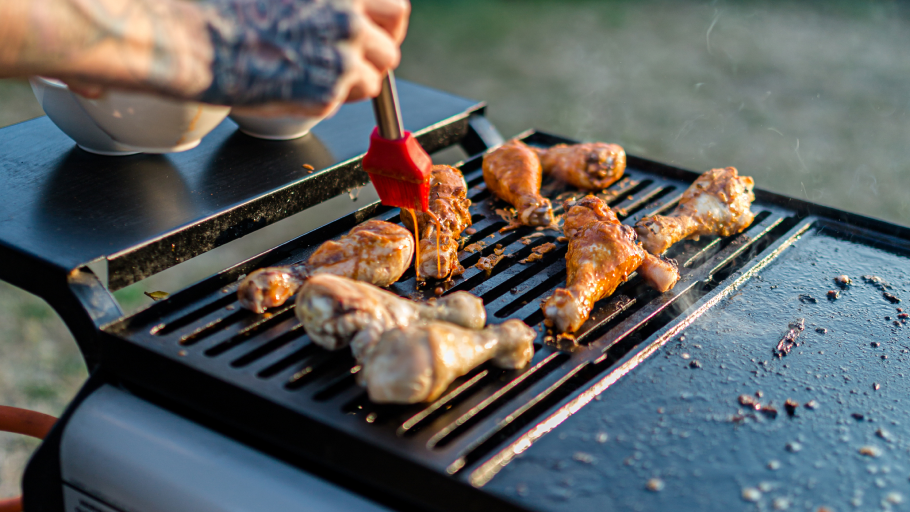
column 810, row 98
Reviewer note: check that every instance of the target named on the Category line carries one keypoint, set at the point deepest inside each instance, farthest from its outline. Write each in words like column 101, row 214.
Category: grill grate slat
column 269, row 347
column 297, row 356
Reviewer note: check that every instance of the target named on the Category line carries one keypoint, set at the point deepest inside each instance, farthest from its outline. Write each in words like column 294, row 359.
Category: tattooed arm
column 303, row 55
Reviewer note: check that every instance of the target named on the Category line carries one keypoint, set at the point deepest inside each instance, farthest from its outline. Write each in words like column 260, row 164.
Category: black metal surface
column 61, row 208
column 260, row 375
column 687, row 428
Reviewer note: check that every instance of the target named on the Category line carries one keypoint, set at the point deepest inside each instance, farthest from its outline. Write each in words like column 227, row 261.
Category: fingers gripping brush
column 398, row 166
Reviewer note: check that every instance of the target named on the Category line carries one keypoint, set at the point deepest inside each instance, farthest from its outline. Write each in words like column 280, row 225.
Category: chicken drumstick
column 417, row 363
column 513, row 173
column 588, row 166
column 717, row 203
column 447, row 218
column 376, row 252
column 602, row 254
column 337, row 312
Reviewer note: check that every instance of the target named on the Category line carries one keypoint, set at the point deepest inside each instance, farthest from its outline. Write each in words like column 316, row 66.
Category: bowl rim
column 50, row 82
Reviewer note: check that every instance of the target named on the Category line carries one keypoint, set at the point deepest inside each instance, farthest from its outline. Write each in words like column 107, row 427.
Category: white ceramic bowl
column 274, row 128
column 152, row 124
column 61, row 107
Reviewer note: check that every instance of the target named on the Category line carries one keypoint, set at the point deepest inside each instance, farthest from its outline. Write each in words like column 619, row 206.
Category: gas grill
column 198, row 404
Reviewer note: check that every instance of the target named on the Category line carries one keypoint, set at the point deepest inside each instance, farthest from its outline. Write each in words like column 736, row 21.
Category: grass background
column 809, row 98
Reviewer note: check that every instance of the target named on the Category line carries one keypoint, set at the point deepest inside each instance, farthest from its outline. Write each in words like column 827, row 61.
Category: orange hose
column 27, row 423
column 11, row 505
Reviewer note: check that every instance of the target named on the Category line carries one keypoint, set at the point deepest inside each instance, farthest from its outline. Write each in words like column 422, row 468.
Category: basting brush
column 398, row 166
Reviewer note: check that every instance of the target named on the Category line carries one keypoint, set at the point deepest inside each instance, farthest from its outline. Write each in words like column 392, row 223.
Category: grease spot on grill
column 870, row 451
column 655, row 485
column 791, row 405
column 781, row 503
column 751, row 494
column 884, row 434
column 584, row 457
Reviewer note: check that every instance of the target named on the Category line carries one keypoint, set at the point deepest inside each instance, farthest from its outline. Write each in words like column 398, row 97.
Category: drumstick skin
column 717, row 203
column 588, row 166
column 602, row 254
column 417, row 363
column 513, row 173
column 376, row 252
column 448, row 213
column 337, row 312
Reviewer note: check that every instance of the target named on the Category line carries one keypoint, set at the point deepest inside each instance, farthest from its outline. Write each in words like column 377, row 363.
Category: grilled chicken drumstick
column 717, row 203
column 513, row 173
column 337, row 312
column 588, row 166
column 375, row 252
column 448, row 215
column 602, row 254
column 417, row 363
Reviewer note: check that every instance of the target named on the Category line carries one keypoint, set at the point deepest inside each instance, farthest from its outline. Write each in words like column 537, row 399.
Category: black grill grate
column 270, row 356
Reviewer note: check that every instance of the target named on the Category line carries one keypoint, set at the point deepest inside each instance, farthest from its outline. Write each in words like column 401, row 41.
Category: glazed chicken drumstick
column 717, row 203
column 602, row 254
column 375, row 252
column 417, row 363
column 440, row 227
column 588, row 166
column 513, row 173
column 337, row 312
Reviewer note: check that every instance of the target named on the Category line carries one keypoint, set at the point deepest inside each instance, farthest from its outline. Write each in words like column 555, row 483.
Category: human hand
column 283, row 56
column 304, row 57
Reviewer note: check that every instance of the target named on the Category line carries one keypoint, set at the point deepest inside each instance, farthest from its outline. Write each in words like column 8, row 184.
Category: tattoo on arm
column 239, row 52
column 131, row 43
column 276, row 50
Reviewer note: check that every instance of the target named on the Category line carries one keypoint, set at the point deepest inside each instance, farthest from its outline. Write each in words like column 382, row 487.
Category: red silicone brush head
column 400, row 171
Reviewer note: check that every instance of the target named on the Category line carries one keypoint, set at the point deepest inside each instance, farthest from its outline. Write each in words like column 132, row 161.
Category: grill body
column 122, row 453
column 259, row 381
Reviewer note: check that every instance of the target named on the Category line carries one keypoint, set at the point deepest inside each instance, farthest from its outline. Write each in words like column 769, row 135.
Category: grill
column 204, row 333
column 259, row 379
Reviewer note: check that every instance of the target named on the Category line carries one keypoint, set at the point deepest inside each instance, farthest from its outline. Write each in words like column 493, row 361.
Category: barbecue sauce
column 438, row 266
column 416, row 245
column 438, row 227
